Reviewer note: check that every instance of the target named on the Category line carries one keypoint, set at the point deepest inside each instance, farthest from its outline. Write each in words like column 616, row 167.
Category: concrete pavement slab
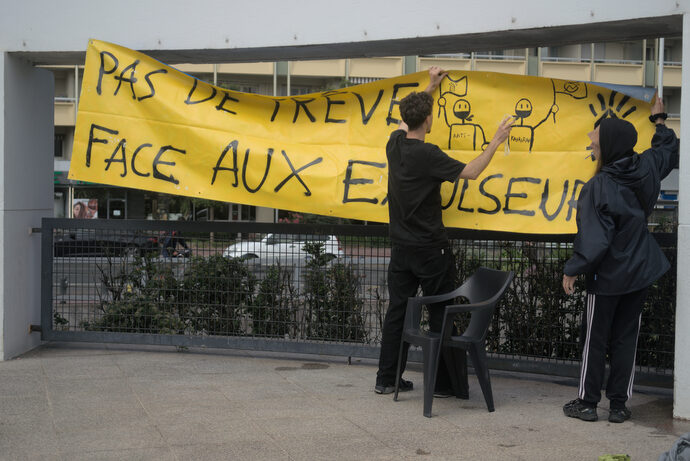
column 28, row 439
column 339, row 448
column 257, row 450
column 126, row 402
column 23, row 407
column 306, row 429
column 253, row 387
column 21, row 385
column 135, row 454
column 213, row 432
column 120, row 435
column 87, row 367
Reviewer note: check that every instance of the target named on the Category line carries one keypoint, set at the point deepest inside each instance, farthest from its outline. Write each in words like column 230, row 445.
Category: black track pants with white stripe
column 612, row 323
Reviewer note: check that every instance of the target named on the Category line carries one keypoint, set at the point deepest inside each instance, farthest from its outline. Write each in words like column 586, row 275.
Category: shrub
column 216, row 292
column 333, row 303
column 274, row 308
column 139, row 298
column 535, row 316
column 656, row 343
column 145, row 297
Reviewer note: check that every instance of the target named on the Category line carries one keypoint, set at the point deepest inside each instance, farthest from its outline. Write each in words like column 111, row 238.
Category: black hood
column 617, row 138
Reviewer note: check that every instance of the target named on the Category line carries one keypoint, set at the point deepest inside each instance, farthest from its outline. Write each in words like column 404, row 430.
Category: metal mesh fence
column 304, row 285
column 309, row 284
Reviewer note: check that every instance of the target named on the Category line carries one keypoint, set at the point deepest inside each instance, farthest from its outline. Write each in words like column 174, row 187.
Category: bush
column 656, row 343
column 137, row 315
column 216, row 293
column 219, row 296
column 145, row 297
column 139, row 298
column 275, row 305
column 535, row 316
column 333, row 304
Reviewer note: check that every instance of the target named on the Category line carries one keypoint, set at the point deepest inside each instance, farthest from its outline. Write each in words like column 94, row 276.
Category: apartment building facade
column 633, row 63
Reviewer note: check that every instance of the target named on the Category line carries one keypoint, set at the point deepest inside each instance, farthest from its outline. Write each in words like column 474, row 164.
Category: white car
column 283, row 248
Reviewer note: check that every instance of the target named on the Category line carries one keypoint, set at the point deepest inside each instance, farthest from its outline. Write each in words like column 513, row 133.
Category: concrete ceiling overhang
column 633, row 29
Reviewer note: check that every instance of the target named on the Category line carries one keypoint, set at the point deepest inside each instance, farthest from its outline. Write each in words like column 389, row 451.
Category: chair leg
column 478, row 354
column 430, row 353
column 397, row 371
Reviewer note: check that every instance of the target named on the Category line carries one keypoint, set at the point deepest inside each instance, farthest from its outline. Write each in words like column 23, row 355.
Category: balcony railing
column 500, row 57
column 634, row 62
column 562, row 59
column 448, row 56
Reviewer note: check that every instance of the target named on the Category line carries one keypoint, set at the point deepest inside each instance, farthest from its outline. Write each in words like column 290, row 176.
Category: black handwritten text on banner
column 145, row 125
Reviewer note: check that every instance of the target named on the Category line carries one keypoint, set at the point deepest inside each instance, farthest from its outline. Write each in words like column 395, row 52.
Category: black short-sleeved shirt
column 416, row 170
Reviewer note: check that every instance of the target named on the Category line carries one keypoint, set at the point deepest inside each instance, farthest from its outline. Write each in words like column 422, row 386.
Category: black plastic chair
column 483, row 290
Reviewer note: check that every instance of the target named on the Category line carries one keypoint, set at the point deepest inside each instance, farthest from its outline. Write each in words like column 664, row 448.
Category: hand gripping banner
column 144, row 125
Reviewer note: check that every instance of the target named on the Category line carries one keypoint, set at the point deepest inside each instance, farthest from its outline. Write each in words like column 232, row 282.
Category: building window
column 243, row 212
column 298, row 90
column 59, row 143
column 209, row 210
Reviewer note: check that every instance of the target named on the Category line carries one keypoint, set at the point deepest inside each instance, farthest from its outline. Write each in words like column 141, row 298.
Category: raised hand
column 436, row 74
column 658, row 106
column 504, row 129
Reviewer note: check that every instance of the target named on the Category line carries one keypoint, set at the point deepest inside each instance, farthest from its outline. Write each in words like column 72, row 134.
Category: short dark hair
column 415, row 108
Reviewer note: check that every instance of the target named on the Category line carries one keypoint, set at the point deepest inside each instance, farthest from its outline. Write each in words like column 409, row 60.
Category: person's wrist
column 656, row 118
column 493, row 145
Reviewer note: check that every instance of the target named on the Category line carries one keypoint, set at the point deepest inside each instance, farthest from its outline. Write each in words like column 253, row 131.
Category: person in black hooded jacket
column 618, row 256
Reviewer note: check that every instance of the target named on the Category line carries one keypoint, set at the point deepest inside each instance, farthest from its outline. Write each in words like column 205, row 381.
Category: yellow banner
column 144, row 125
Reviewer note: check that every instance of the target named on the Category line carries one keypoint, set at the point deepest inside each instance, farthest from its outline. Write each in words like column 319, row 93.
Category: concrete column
column 410, row 64
column 264, row 214
column 26, row 195
column 681, row 404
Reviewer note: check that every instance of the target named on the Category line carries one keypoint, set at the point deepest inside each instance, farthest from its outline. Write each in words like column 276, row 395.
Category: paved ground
column 73, row 402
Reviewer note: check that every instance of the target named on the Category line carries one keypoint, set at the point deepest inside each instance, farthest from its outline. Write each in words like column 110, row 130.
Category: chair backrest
column 486, row 287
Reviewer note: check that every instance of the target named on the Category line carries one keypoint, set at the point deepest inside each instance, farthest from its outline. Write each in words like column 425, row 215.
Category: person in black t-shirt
column 420, row 253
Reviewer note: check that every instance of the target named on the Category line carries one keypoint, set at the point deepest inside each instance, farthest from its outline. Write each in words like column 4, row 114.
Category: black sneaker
column 619, row 415
column 389, row 389
column 577, row 409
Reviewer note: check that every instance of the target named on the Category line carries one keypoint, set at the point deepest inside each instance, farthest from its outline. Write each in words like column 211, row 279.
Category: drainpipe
column 660, row 78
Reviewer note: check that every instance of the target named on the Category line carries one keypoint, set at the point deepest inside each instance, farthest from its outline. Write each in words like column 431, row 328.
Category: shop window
column 94, row 200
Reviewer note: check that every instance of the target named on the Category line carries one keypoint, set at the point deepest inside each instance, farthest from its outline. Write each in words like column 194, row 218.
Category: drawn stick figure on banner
column 522, row 136
column 464, row 135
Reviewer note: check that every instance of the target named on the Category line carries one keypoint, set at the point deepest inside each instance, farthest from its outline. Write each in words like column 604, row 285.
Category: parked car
column 283, row 248
column 99, row 242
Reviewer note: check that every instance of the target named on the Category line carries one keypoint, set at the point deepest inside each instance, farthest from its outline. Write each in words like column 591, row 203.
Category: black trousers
column 612, row 323
column 434, row 270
